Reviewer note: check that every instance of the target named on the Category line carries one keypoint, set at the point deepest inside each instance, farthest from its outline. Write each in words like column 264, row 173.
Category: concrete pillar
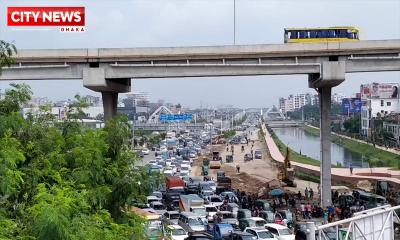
column 324, row 94
column 110, row 102
column 331, row 75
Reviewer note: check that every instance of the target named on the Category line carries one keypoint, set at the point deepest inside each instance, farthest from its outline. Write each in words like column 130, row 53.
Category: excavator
column 286, row 172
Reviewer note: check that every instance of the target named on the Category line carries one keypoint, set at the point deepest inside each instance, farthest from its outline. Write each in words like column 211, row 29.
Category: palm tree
column 7, row 50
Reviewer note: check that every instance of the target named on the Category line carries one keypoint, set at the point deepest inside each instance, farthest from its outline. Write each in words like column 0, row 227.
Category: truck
column 174, row 183
column 223, row 184
column 193, row 203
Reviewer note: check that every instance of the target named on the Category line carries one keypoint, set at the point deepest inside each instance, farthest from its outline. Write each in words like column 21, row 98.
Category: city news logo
column 68, row 19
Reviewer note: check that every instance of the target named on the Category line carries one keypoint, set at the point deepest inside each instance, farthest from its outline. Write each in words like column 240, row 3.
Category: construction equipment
column 286, row 173
column 216, row 161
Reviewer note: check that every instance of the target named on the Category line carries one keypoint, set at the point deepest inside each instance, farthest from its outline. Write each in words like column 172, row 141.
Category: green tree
column 7, row 50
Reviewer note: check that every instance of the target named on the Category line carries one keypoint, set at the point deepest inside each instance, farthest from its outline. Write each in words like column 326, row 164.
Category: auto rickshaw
column 204, row 170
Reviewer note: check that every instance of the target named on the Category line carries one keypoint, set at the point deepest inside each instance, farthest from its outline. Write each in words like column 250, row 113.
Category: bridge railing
column 372, row 224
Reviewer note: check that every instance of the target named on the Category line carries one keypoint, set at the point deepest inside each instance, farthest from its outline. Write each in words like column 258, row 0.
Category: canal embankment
column 339, row 175
column 376, row 156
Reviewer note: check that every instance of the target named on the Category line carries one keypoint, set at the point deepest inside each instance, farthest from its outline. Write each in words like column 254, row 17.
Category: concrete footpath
column 338, row 174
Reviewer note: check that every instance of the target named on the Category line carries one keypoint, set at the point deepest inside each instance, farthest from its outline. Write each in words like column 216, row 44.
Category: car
column 191, row 222
column 175, row 232
column 243, row 141
column 260, row 232
column 279, row 231
column 158, row 207
column 248, row 157
column 211, row 211
column 145, row 151
column 170, row 218
column 212, row 185
column 200, row 236
column 157, row 194
column 215, row 200
column 258, row 154
column 153, row 162
column 251, row 222
column 238, row 235
column 230, row 195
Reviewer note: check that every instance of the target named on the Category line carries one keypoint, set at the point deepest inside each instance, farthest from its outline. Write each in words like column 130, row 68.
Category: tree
column 61, row 180
column 7, row 50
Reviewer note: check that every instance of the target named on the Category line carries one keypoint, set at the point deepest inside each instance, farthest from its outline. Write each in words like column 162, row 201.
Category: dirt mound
column 244, row 181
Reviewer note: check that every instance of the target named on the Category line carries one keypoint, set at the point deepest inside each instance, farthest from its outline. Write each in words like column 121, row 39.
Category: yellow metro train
column 313, row 35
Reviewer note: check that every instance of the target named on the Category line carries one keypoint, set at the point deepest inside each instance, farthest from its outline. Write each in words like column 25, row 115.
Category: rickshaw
column 204, row 170
column 229, row 158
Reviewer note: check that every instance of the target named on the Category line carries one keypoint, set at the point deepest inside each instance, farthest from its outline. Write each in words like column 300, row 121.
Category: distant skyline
column 160, row 23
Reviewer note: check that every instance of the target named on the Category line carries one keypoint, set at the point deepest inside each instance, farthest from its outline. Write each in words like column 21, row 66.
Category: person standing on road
column 306, row 193
column 238, row 168
column 351, row 169
column 311, row 194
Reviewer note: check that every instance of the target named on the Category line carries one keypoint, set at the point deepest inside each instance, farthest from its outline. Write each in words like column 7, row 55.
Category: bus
column 315, row 35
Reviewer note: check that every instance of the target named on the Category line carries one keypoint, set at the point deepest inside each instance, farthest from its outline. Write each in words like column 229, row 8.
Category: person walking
column 306, row 193
column 351, row 169
column 238, row 168
column 303, row 210
column 311, row 193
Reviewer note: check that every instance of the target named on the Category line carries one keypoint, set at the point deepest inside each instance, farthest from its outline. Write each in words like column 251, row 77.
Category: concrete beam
column 331, row 75
column 95, row 79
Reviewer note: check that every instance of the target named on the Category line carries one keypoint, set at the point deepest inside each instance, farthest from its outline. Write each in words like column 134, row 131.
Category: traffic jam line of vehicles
column 196, row 207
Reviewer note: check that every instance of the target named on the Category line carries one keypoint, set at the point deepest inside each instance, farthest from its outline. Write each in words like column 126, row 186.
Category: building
column 295, row 102
column 92, row 100
column 379, row 100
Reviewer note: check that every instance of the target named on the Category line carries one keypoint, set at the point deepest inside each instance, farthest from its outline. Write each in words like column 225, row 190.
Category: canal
column 308, row 144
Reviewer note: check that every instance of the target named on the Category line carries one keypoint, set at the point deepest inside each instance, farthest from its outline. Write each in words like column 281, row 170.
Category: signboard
column 175, row 117
column 380, row 90
column 351, row 105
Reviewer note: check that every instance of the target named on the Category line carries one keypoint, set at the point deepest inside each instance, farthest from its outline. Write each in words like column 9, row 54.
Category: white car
column 153, row 162
column 185, row 169
column 215, row 200
column 212, row 185
column 211, row 211
column 260, row 232
column 175, row 232
column 145, row 151
column 279, row 231
column 243, row 141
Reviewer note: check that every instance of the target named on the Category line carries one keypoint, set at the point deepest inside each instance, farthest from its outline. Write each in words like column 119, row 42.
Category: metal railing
column 372, row 224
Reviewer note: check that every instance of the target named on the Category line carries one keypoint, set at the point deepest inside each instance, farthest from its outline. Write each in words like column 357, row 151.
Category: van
column 191, row 222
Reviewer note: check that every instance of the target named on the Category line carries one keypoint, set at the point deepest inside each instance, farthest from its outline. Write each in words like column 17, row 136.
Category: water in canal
column 309, row 145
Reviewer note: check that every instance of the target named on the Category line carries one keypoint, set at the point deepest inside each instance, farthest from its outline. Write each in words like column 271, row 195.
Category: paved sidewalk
column 339, row 174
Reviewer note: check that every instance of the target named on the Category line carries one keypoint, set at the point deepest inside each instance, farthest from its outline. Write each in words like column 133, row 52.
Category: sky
column 162, row 23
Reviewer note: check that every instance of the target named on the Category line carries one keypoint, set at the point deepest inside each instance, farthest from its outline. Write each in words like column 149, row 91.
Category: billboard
column 351, row 105
column 380, row 90
column 175, row 117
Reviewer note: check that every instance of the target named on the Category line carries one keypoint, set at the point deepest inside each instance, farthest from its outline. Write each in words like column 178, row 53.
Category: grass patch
column 374, row 156
column 229, row 134
column 307, row 177
column 294, row 156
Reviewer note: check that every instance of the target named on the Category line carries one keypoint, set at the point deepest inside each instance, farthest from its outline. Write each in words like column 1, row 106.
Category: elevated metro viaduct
column 109, row 71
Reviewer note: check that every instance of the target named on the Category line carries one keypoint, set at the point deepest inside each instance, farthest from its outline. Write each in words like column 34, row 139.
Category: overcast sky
column 161, row 23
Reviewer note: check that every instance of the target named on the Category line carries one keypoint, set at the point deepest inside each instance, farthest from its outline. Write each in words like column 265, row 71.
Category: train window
column 313, row 34
column 331, row 33
column 350, row 35
column 293, row 35
column 302, row 34
column 342, row 33
column 324, row 33
column 355, row 35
